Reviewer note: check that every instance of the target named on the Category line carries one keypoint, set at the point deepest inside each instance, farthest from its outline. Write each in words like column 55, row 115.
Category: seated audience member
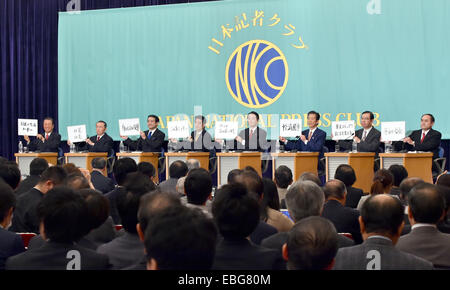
column 234, row 175
column 382, row 184
column 10, row 174
column 192, row 164
column 236, row 214
column 381, row 223
column 148, row 170
column 37, row 166
column 444, row 224
column 303, row 199
column 71, row 168
column 255, row 187
column 283, row 178
column 270, row 208
column 150, row 204
column 176, row 170
column 311, row 177
column 198, row 187
column 405, row 187
column 345, row 219
column 63, row 221
column 10, row 243
column 346, row 174
column 25, row 219
column 122, row 167
column 180, row 188
column 100, row 182
column 126, row 250
column 312, row 245
column 77, row 182
column 426, row 209
column 163, row 247
column 399, row 173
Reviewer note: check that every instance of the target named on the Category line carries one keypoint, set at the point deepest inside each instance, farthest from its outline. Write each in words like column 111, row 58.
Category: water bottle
column 72, row 148
column 224, row 147
column 282, row 149
column 277, row 147
column 121, row 147
column 170, row 146
column 354, row 146
column 20, row 147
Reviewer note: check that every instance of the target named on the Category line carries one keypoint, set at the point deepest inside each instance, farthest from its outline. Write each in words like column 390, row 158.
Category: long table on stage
column 236, row 160
column 24, row 160
column 298, row 162
column 150, row 157
column 417, row 164
column 202, row 157
column 84, row 159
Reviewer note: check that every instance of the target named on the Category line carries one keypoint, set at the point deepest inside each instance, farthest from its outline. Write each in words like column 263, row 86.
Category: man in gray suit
column 176, row 170
column 367, row 138
column 381, row 223
column 426, row 209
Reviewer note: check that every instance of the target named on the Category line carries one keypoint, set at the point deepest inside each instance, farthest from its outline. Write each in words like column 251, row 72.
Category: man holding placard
column 253, row 138
column 151, row 140
column 47, row 141
column 311, row 140
column 425, row 139
column 367, row 138
column 200, row 139
column 98, row 143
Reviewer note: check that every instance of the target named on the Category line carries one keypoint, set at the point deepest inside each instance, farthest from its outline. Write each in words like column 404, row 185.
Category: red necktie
column 98, row 138
column 46, row 136
column 423, row 137
column 251, row 134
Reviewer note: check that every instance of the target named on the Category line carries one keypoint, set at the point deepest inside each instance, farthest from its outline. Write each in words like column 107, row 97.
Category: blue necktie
column 149, row 134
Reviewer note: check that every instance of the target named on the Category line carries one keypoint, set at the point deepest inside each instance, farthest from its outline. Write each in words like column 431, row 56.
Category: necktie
column 364, row 135
column 196, row 136
column 309, row 135
column 251, row 134
column 149, row 134
column 98, row 138
column 423, row 137
column 46, row 136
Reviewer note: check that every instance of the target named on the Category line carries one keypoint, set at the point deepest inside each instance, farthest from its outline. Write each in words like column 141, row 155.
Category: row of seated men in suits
column 252, row 233
column 252, row 138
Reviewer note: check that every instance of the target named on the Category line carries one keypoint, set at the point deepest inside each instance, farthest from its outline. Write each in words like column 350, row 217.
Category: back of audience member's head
column 54, row 174
column 192, row 164
column 399, row 173
column 309, row 176
column 444, row 180
column 153, row 202
column 304, row 199
column 426, row 203
column 198, row 186
column 178, row 169
column 382, row 182
column 334, row 189
column 312, row 245
column 235, row 211
column 136, row 185
column 147, row 169
column 253, row 182
column 188, row 245
column 250, row 168
column 71, row 168
column 180, row 185
column 98, row 207
column 77, row 182
column 407, row 184
column 234, row 175
column 10, row 174
column 98, row 163
column 64, row 215
column 382, row 214
column 7, row 202
column 270, row 198
column 283, row 176
column 122, row 167
column 37, row 166
column 346, row 174
column 445, row 191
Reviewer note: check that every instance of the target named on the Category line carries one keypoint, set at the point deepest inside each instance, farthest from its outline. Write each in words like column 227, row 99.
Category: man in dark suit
column 200, row 139
column 311, row 140
column 253, row 138
column 37, row 166
column 63, row 215
column 10, row 243
column 98, row 143
column 346, row 174
column 177, row 170
column 426, row 139
column 426, row 209
column 25, row 219
column 381, row 223
column 151, row 140
column 303, row 199
column 367, row 138
column 236, row 214
column 101, row 182
column 345, row 219
column 47, row 141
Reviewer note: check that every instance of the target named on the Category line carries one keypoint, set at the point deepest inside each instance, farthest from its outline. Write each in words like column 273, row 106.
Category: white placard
column 178, row 129
column 129, row 127
column 343, row 130
column 76, row 133
column 27, row 127
column 393, row 131
column 290, row 127
column 226, row 130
